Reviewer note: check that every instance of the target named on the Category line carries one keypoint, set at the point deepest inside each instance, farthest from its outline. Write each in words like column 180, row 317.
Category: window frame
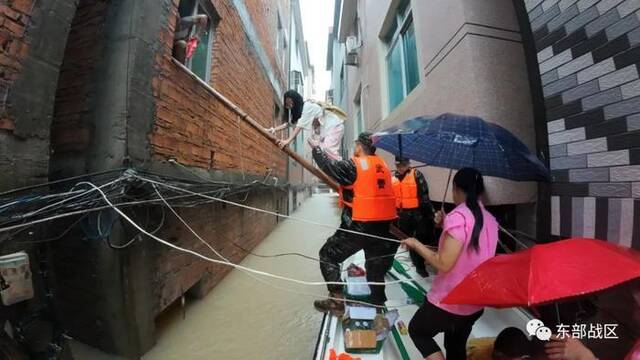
column 213, row 21
column 342, row 82
column 281, row 41
column 403, row 20
column 298, row 81
column 359, row 126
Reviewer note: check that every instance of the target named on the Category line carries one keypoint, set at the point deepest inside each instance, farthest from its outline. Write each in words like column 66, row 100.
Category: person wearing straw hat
column 325, row 121
column 368, row 208
column 415, row 211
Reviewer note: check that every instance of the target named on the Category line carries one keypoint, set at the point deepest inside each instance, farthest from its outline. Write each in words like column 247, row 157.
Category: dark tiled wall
column 589, row 61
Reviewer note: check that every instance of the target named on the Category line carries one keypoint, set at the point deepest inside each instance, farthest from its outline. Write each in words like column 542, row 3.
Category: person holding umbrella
column 415, row 212
column 469, row 237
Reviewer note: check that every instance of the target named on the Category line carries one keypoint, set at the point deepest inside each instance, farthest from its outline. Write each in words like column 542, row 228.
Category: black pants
column 412, row 223
column 430, row 320
column 341, row 245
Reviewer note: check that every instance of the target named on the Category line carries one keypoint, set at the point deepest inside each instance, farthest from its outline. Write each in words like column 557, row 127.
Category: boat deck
column 489, row 325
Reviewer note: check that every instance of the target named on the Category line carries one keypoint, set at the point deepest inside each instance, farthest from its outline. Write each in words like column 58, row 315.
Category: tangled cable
column 257, row 272
column 202, row 240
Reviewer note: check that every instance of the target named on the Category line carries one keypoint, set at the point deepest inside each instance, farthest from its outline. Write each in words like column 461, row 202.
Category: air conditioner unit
column 353, row 44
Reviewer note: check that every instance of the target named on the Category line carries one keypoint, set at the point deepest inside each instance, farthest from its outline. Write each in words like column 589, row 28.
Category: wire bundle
column 131, row 189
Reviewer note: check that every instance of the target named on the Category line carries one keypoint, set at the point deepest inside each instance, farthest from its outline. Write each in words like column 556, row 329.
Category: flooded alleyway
column 243, row 318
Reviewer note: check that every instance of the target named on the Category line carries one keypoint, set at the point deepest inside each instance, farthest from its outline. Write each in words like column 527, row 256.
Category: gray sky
column 317, row 17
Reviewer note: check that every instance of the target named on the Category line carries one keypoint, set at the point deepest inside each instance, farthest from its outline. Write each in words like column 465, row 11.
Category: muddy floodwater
column 243, row 318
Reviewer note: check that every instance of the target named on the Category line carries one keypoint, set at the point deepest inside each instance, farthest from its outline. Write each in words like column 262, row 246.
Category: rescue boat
column 404, row 300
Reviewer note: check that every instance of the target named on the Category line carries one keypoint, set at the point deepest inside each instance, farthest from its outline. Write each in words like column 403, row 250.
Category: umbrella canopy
column 456, row 141
column 546, row 273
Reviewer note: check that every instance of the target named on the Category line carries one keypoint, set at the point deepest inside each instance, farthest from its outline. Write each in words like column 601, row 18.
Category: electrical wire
column 136, row 236
column 249, row 251
column 98, row 208
column 69, row 198
column 58, row 237
column 213, row 199
column 268, row 211
column 252, row 275
column 72, row 178
column 272, row 212
column 257, row 272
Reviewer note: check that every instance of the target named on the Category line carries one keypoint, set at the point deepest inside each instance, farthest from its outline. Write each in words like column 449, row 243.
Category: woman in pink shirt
column 469, row 237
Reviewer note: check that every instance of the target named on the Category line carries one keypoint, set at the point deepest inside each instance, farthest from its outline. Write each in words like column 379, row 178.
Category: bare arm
column 444, row 259
column 280, row 127
column 293, row 135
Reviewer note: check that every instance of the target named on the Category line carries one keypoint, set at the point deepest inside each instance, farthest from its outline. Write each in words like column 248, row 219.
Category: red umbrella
column 546, row 273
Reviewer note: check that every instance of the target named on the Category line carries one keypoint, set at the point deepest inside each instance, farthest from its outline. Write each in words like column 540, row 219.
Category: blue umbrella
column 456, row 141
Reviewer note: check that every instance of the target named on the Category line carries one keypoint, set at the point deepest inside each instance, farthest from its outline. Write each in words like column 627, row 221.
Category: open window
column 193, row 39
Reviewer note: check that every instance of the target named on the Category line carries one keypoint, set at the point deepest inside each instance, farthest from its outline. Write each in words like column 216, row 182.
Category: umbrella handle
column 446, row 189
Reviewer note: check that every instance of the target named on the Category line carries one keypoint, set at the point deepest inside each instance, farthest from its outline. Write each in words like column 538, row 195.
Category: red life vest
column 406, row 191
column 373, row 198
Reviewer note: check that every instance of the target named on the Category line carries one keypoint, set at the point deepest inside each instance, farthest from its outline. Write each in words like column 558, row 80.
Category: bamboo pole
column 254, row 124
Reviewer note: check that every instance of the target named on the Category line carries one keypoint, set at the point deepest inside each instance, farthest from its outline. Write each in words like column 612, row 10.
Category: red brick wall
column 31, row 45
column 220, row 226
column 195, row 128
column 264, row 16
column 14, row 17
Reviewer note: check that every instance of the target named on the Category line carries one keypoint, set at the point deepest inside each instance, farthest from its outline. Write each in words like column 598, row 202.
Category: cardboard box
column 360, row 339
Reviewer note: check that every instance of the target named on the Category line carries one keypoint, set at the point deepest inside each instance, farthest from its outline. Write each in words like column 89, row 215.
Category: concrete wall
column 587, row 57
column 195, row 128
column 471, row 61
column 299, row 61
column 123, row 102
column 32, row 41
column 32, row 38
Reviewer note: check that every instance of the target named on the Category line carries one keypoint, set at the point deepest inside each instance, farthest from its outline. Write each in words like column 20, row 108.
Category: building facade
column 393, row 60
column 301, row 79
column 587, row 55
column 92, row 87
column 560, row 75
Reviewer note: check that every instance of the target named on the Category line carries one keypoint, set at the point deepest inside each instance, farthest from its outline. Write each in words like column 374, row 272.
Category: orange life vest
column 406, row 191
column 373, row 198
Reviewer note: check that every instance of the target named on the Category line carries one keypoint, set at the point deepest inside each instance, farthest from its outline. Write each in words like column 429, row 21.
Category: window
column 200, row 62
column 359, row 121
column 276, row 115
column 329, row 96
column 281, row 43
column 297, row 82
column 341, row 93
column 358, row 126
column 402, row 57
